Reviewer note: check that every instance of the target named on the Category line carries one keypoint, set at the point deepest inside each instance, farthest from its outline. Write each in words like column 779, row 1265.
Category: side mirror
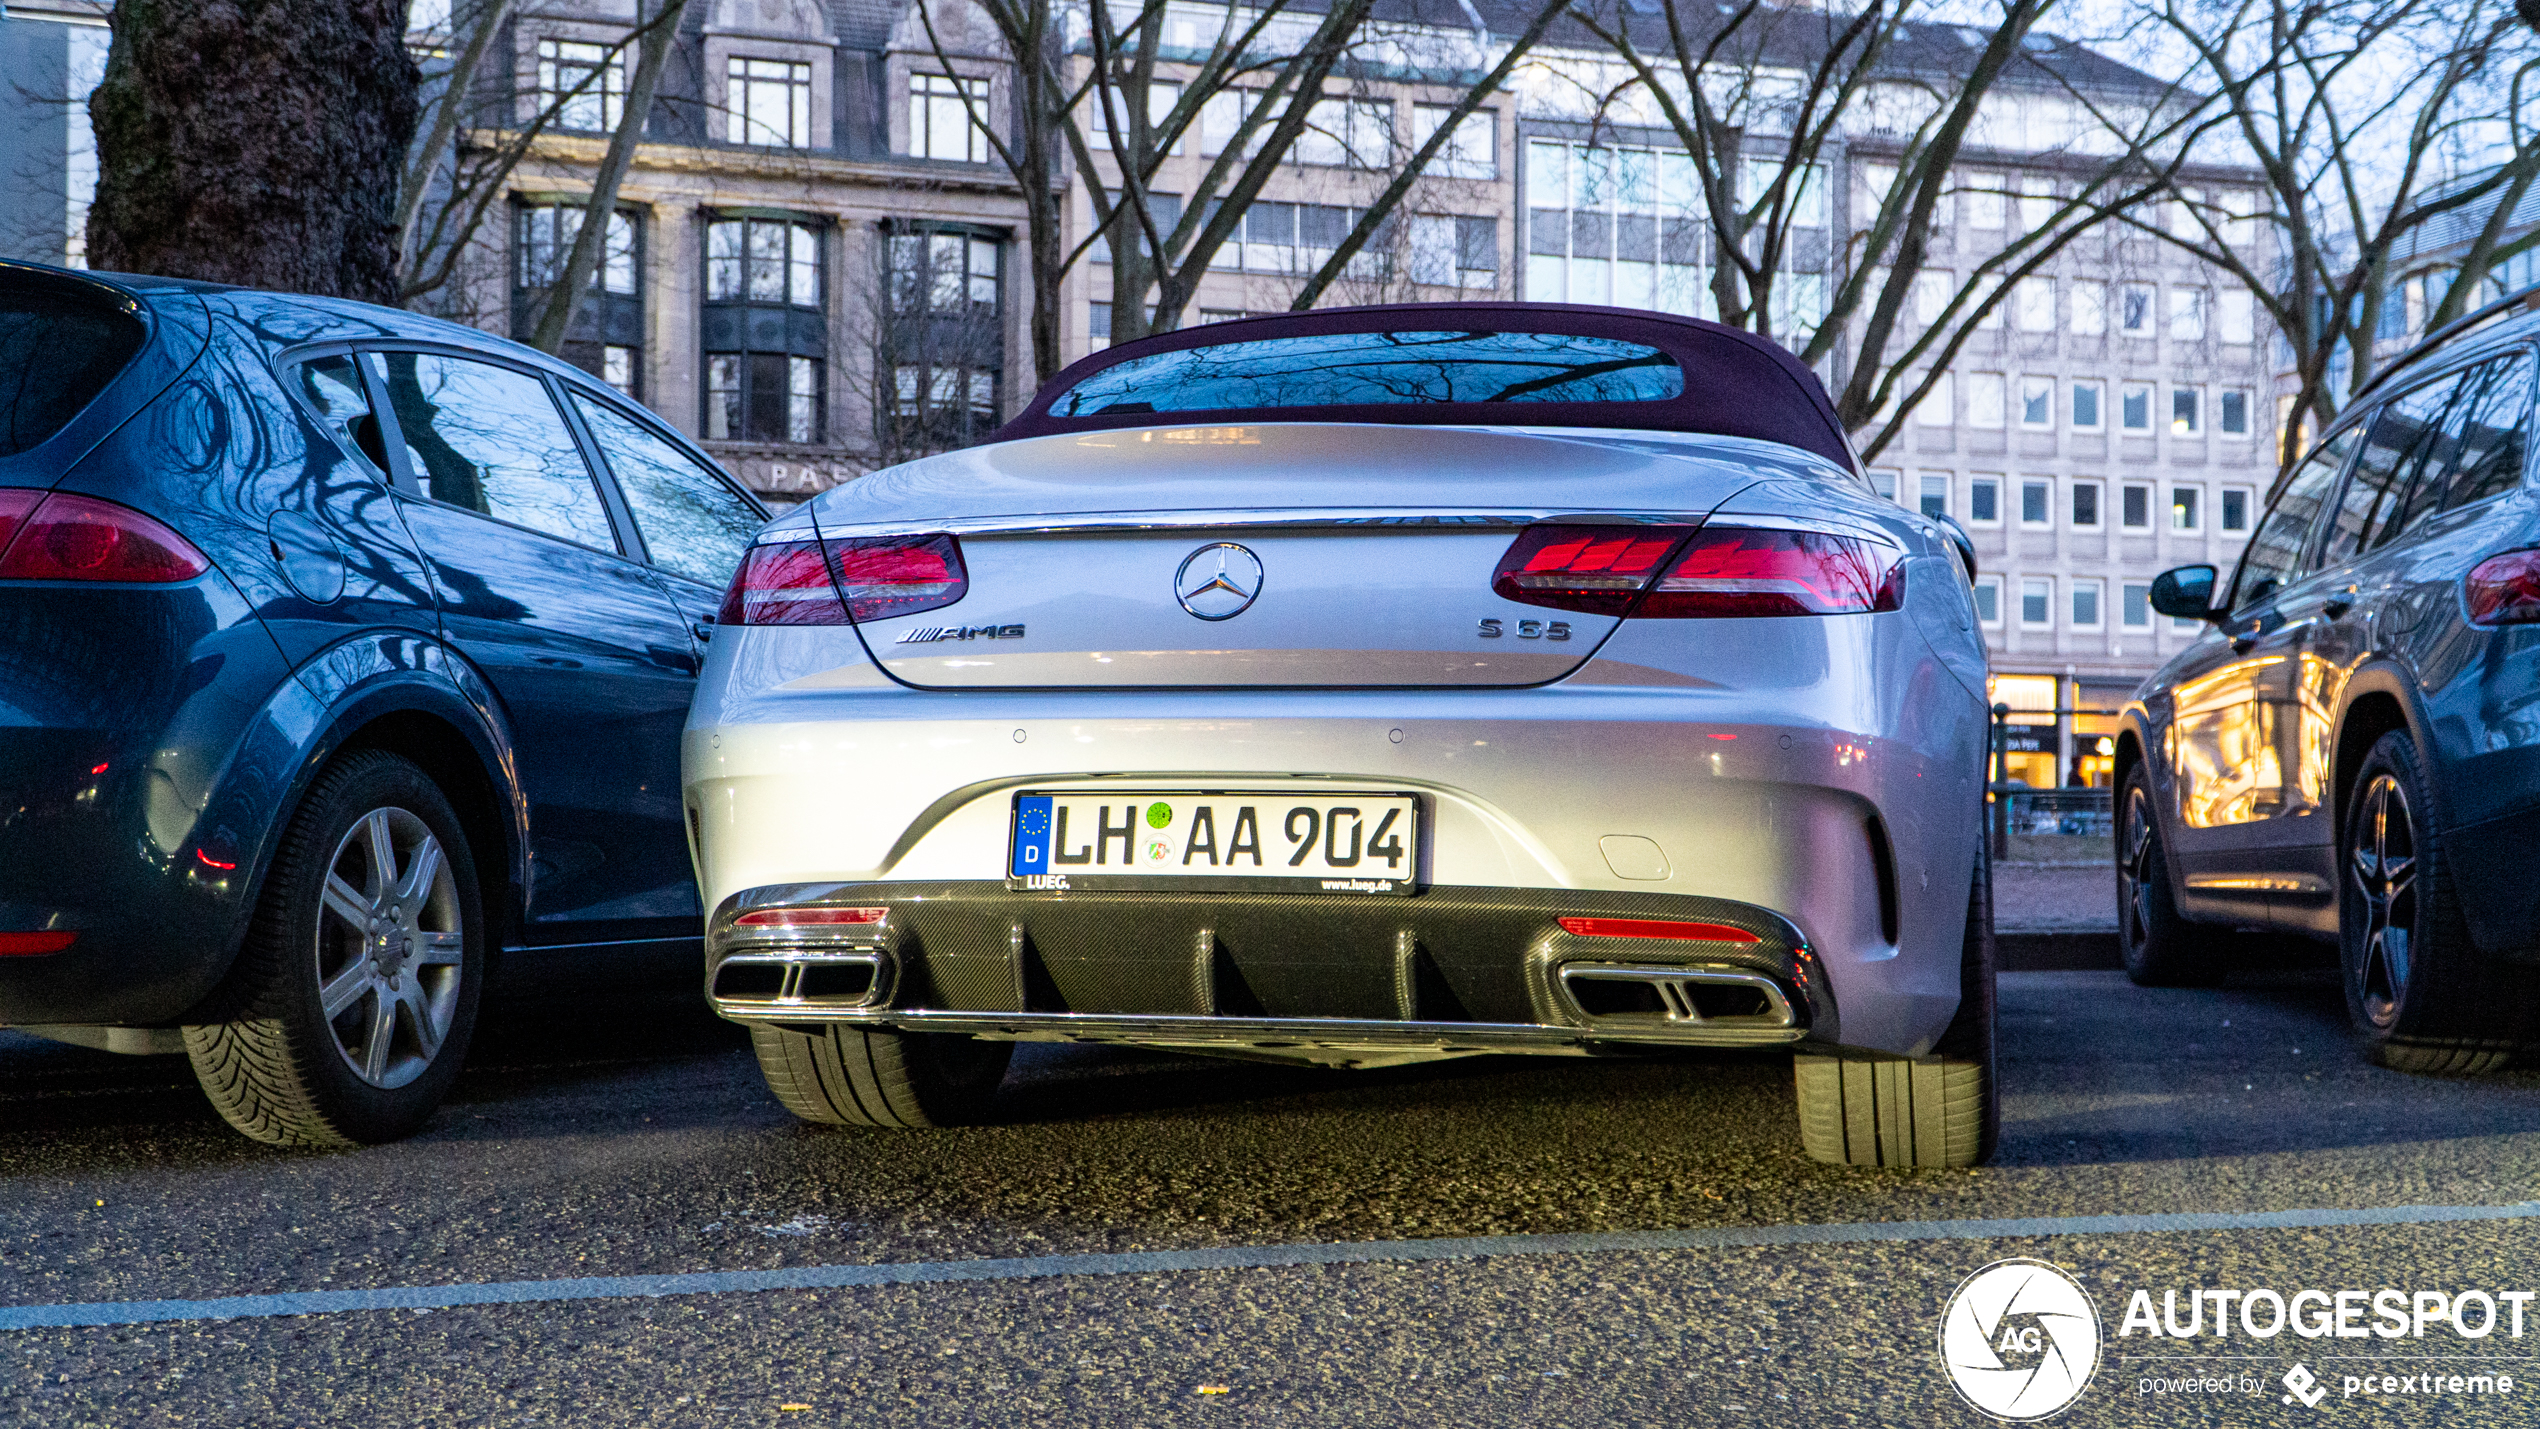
column 2186, row 593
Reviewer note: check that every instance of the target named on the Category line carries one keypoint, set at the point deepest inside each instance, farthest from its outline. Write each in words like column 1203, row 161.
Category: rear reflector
column 884, row 576
column 782, row 585
column 80, row 538
column 1733, row 571
column 27, row 945
column 810, row 917
column 2504, row 590
column 1657, row 928
column 1598, row 569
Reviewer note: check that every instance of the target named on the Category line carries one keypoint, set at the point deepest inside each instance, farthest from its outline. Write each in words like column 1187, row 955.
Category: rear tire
column 2419, row 993
column 2160, row 946
column 1939, row 1111
column 847, row 1076
column 355, row 993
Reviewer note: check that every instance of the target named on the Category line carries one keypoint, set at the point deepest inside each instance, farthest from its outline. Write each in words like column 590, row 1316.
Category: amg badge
column 928, row 634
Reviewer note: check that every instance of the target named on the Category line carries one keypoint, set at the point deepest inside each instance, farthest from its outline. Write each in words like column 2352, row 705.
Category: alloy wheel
column 2134, row 867
column 389, row 947
column 2382, row 866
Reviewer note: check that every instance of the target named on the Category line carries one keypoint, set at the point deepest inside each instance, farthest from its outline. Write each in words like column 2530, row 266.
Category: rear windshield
column 1356, row 369
column 58, row 350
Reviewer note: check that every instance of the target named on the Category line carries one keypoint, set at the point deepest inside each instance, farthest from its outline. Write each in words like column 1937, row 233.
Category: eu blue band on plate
column 1031, row 836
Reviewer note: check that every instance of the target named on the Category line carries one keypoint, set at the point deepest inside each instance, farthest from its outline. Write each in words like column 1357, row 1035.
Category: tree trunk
column 256, row 142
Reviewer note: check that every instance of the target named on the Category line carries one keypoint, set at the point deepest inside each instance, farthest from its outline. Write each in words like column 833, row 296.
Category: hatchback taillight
column 884, row 576
column 80, row 538
column 782, row 585
column 1671, row 572
column 2504, row 590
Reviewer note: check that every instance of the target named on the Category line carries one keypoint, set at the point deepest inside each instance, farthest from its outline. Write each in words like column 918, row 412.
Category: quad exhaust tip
column 1646, row 993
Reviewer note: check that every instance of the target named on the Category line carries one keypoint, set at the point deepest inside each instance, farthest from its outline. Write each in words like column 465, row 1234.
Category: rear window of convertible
column 1366, row 369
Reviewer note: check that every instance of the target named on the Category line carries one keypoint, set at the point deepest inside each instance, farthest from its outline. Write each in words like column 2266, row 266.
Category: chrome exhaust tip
column 1657, row 994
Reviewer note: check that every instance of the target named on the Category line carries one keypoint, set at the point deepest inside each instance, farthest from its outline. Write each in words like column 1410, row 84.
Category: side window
column 692, row 522
column 489, row 439
column 331, row 388
column 2494, row 417
column 2368, row 510
column 2274, row 556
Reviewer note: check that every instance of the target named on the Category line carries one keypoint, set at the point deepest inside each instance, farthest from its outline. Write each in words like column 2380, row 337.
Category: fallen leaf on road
column 793, row 1409
column 1213, row 1389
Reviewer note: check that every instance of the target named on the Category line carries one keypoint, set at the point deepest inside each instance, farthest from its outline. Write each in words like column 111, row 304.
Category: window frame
column 2098, row 504
column 2098, row 589
column 1982, row 584
column 798, row 101
column 2151, row 494
column 2047, row 585
column 2098, row 391
column 601, row 394
column 1982, row 479
column 2045, row 487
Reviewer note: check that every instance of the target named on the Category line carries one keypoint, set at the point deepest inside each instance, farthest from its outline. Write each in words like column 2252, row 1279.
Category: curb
column 2065, row 950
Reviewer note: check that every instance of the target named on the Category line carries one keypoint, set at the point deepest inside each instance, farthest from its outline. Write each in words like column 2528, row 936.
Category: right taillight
column 884, row 576
column 62, row 537
column 2504, row 590
column 784, row 584
column 1598, row 569
column 1738, row 571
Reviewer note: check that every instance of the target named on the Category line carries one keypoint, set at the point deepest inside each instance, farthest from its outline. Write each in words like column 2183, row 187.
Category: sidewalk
column 2054, row 917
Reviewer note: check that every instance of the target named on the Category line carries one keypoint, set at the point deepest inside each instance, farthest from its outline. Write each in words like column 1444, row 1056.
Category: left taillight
column 2504, row 589
column 856, row 578
column 62, row 537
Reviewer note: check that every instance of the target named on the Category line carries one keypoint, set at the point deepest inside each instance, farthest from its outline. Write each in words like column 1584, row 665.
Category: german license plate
column 1326, row 843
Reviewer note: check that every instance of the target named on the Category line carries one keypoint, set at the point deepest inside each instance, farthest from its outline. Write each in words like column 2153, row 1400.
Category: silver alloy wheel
column 389, row 947
column 2383, row 865
column 2134, row 867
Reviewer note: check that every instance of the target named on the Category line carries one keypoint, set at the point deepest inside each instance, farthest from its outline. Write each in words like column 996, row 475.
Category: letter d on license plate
column 1196, row 841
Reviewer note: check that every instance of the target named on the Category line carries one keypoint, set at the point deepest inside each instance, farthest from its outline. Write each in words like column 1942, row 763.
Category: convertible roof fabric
column 1736, row 384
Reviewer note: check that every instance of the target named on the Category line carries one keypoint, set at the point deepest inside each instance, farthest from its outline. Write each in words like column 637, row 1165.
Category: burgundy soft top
column 1735, row 383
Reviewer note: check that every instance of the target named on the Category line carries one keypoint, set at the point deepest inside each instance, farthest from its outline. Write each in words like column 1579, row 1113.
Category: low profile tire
column 1938, row 1111
column 2419, row 993
column 355, row 994
column 847, row 1076
column 2160, row 946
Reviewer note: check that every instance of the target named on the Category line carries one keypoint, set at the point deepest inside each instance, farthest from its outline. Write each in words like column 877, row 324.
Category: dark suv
column 2352, row 751
column 341, row 651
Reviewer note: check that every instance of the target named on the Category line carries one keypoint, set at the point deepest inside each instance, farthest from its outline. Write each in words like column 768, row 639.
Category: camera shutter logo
column 2019, row 1339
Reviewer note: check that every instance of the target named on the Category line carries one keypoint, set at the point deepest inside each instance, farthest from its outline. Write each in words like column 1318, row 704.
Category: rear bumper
column 1356, row 980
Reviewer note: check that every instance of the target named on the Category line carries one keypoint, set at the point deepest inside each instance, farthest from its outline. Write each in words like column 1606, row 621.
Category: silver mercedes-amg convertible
column 1362, row 687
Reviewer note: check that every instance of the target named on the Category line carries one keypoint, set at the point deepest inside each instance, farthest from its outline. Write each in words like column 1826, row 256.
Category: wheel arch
column 2379, row 700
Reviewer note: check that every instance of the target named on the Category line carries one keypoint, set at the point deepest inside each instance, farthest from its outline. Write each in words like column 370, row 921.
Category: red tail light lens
column 79, row 538
column 1598, row 569
column 1733, row 571
column 34, row 945
column 811, row 917
column 15, row 503
column 1656, row 928
column 884, row 576
column 2504, row 590
column 782, row 585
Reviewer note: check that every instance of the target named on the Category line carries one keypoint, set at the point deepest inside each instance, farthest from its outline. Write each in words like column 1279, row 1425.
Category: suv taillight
column 1669, row 572
column 2504, row 590
column 860, row 578
column 62, row 537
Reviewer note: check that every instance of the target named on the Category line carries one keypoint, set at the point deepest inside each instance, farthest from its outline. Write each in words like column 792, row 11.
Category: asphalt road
column 635, row 1139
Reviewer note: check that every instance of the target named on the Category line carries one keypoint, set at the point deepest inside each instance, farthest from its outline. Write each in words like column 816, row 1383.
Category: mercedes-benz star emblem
column 1218, row 582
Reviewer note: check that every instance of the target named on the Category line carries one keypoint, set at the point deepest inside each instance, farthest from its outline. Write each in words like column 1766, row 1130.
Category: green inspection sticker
column 1158, row 815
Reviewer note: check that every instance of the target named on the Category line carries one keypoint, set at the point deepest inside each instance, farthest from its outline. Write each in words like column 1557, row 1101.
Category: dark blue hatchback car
column 2351, row 751
column 342, row 653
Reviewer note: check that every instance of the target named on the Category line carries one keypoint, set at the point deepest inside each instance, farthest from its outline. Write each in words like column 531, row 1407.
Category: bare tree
column 565, row 294
column 2348, row 107
column 937, row 343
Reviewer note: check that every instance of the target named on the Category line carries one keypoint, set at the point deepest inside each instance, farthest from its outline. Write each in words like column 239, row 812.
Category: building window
column 2134, row 407
column 2187, row 412
column 584, row 83
column 2236, row 314
column 2185, row 507
column 1626, row 226
column 2090, row 309
column 2086, row 397
column 2037, row 503
column 768, row 102
column 2085, row 605
column 1988, row 591
column 1934, row 409
column 943, row 345
column 2035, row 298
column 2037, row 604
column 941, row 124
column 1935, row 493
column 1985, row 399
column 606, row 336
column 2137, row 610
column 1455, row 252
column 1883, row 481
column 765, row 330
column 2086, row 504
column 1471, row 152
column 2235, row 412
column 2235, row 510
column 2187, row 314
column 2037, row 403
column 1984, row 200
column 2134, row 508
column 1984, row 500
column 2134, row 310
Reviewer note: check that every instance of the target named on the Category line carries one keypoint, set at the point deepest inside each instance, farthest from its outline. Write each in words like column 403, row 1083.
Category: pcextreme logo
column 2019, row 1339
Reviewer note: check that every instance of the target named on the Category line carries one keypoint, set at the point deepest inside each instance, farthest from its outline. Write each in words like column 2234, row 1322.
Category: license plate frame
column 1387, row 831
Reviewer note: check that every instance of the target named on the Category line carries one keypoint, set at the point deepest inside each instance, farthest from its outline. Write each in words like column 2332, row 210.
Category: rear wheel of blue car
column 2419, row 993
column 355, row 995
column 847, row 1076
column 1941, row 1110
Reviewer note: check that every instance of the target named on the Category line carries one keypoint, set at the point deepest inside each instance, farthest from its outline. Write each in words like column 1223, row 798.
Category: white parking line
column 1242, row 1257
